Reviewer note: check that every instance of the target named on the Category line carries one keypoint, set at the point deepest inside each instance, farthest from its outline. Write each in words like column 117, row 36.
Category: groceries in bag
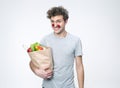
column 41, row 56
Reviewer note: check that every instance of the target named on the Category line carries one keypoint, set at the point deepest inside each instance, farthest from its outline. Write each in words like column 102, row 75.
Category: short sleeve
column 43, row 42
column 78, row 48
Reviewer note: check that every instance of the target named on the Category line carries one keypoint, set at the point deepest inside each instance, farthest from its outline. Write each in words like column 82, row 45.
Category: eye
column 58, row 21
column 52, row 21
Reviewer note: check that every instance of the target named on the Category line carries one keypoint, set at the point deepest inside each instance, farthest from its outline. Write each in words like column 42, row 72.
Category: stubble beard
column 61, row 33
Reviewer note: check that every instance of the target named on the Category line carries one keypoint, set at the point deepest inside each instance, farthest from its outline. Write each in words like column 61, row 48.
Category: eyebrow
column 56, row 20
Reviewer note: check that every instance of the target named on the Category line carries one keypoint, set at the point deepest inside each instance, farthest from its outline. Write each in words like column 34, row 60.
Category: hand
column 43, row 73
column 47, row 73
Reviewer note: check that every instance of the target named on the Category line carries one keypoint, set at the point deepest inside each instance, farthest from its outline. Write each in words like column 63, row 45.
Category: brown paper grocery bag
column 42, row 58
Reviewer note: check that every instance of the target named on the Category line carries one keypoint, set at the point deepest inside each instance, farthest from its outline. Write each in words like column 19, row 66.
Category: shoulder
column 74, row 37
column 48, row 36
column 46, row 39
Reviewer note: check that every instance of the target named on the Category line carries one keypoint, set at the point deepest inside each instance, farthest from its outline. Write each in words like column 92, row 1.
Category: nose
column 56, row 25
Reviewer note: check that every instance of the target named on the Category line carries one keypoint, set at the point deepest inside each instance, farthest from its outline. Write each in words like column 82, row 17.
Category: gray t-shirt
column 64, row 51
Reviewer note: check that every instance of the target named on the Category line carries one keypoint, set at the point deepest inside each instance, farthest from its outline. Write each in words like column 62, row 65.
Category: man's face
column 58, row 24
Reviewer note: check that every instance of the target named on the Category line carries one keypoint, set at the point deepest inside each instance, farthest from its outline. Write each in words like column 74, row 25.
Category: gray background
column 96, row 22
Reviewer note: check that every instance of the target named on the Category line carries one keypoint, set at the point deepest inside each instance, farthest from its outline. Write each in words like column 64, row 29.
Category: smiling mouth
column 56, row 29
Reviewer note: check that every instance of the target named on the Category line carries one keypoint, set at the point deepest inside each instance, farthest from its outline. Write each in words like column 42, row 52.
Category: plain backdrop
column 96, row 22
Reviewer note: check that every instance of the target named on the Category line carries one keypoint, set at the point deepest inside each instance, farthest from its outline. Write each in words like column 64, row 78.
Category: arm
column 80, row 71
column 39, row 72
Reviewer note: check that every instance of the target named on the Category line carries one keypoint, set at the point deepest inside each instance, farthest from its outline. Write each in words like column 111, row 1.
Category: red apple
column 29, row 50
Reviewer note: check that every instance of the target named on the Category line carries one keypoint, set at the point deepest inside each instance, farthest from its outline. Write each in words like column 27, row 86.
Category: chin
column 57, row 32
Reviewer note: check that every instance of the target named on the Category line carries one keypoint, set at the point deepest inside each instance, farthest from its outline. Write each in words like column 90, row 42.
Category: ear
column 66, row 21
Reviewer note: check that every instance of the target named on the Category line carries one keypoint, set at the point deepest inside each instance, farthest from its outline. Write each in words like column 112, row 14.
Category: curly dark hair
column 54, row 11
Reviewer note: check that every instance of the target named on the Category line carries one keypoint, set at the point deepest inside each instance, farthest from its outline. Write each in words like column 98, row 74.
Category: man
column 65, row 47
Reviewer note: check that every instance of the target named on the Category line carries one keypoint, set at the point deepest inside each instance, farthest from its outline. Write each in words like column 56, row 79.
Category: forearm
column 33, row 67
column 40, row 72
column 80, row 76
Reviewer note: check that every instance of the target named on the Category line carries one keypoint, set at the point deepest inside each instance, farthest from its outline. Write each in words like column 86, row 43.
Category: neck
column 61, row 35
